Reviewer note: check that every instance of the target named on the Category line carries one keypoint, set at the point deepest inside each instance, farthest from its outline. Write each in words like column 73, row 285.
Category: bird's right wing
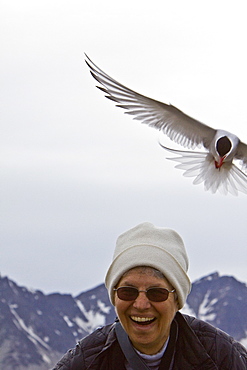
column 179, row 127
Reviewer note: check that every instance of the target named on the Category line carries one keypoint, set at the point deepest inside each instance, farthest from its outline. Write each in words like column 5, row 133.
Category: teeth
column 142, row 319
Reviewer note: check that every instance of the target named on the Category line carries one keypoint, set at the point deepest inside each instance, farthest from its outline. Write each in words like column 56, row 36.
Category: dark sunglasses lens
column 153, row 294
column 157, row 294
column 127, row 293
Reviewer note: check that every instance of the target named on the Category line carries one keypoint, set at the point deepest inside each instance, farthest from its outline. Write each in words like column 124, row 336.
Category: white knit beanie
column 147, row 245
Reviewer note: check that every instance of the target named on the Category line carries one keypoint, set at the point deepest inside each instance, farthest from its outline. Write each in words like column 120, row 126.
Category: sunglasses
column 127, row 293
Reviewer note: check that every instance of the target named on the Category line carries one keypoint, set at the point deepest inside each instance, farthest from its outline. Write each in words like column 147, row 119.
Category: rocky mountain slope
column 37, row 329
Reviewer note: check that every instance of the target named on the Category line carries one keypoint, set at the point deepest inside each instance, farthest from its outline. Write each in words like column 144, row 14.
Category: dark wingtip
column 87, row 57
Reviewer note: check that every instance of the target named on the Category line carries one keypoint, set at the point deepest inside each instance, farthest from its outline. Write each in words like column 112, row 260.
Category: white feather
column 201, row 165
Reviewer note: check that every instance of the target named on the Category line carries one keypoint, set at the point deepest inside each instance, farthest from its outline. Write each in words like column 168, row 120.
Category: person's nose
column 141, row 302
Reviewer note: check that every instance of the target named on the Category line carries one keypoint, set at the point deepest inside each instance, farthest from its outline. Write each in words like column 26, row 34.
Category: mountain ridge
column 36, row 329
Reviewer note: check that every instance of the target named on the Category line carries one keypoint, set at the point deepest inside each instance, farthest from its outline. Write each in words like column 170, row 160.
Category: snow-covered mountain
column 221, row 301
column 37, row 329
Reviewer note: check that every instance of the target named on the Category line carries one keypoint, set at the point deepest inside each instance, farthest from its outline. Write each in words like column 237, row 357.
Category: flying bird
column 218, row 166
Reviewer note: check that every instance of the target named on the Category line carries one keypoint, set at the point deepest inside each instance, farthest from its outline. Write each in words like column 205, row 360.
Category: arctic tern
column 215, row 166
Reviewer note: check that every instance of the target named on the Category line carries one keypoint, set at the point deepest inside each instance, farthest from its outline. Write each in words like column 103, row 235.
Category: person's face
column 146, row 323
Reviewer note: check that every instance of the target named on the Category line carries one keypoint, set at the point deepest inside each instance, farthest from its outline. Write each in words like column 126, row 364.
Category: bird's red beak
column 220, row 162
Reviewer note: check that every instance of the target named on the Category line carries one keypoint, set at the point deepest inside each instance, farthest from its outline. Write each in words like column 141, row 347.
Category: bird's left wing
column 242, row 153
column 179, row 127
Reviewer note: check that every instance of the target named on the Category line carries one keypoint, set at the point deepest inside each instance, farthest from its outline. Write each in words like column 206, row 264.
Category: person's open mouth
column 142, row 320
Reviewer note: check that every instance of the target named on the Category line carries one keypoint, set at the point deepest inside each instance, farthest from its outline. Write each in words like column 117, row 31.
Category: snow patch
column 13, row 306
column 68, row 322
column 209, row 278
column 20, row 324
column 243, row 341
column 46, row 358
column 215, row 300
column 31, row 290
column 94, row 319
column 187, row 310
column 12, row 286
column 81, row 323
column 205, row 310
column 103, row 307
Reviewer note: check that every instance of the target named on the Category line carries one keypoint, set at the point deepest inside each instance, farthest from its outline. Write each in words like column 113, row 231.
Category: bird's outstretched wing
column 179, row 127
column 201, row 165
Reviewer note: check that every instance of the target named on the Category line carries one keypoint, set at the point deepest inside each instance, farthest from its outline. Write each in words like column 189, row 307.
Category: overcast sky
column 75, row 171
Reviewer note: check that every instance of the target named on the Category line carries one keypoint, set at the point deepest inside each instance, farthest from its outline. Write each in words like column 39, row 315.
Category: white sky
column 75, row 171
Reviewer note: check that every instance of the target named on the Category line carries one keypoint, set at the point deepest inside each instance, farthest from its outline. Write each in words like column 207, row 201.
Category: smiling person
column 148, row 284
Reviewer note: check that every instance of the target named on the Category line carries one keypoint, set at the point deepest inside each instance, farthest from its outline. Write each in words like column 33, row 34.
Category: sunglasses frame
column 144, row 291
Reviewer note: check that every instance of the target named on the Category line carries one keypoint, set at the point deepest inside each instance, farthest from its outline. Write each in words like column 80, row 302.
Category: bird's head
column 225, row 146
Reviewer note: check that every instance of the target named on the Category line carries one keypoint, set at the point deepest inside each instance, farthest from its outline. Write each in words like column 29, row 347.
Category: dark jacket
column 199, row 346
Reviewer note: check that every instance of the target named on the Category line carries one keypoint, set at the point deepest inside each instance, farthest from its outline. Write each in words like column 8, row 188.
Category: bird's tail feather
column 201, row 165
